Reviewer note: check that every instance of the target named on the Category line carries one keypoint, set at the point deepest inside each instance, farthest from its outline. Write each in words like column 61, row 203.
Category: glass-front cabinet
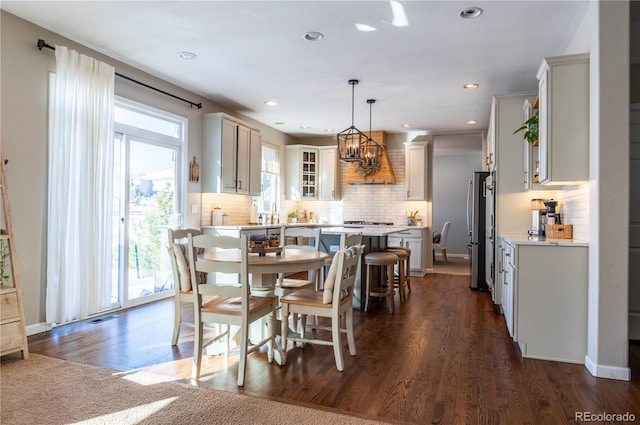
column 302, row 172
column 309, row 167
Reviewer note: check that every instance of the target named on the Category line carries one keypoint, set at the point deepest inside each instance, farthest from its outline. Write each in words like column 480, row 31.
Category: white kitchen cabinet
column 545, row 298
column 302, row 165
column 232, row 156
column 564, row 119
column 255, row 163
column 416, row 239
column 506, row 270
column 489, row 159
column 417, row 163
column 329, row 189
column 531, row 163
column 512, row 205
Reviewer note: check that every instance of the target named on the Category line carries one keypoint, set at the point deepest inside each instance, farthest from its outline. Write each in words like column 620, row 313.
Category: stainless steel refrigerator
column 476, row 225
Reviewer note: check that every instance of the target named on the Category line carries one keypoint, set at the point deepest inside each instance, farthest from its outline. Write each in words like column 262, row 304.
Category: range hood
column 383, row 176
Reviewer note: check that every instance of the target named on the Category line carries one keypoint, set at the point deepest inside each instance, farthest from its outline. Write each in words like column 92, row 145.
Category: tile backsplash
column 575, row 209
column 379, row 203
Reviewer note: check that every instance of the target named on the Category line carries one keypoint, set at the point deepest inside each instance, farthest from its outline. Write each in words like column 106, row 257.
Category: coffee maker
column 552, row 216
column 538, row 217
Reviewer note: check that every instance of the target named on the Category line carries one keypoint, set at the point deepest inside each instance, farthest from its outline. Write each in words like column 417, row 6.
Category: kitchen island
column 374, row 238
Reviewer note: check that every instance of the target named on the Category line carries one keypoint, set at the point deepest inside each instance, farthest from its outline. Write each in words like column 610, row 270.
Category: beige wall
column 23, row 119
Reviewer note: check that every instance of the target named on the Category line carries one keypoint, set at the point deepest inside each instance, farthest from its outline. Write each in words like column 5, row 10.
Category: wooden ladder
column 13, row 335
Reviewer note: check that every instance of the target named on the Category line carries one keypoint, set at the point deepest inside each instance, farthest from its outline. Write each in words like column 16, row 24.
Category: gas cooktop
column 368, row 223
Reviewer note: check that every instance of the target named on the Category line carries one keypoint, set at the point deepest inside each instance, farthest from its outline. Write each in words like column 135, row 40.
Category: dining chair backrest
column 445, row 233
column 348, row 263
column 309, row 235
column 209, row 243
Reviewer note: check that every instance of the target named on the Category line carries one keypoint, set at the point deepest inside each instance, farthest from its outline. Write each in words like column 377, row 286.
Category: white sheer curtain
column 80, row 188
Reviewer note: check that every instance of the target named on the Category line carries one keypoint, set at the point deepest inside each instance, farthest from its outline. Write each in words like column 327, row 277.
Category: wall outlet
column 194, row 209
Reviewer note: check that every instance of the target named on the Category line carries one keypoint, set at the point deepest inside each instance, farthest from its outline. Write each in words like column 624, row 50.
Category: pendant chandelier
column 351, row 142
column 372, row 151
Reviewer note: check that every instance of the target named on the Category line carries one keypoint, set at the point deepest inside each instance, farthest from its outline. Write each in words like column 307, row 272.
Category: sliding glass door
column 147, row 201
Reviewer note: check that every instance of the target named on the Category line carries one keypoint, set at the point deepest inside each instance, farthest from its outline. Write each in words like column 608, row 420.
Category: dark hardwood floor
column 442, row 357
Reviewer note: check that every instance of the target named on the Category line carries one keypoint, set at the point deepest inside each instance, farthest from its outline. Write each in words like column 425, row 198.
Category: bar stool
column 385, row 287
column 400, row 279
column 407, row 265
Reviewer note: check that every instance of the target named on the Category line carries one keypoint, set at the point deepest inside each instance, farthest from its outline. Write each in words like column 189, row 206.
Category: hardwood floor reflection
column 442, row 357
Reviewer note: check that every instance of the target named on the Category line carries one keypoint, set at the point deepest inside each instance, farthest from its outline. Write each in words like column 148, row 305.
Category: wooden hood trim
column 383, row 176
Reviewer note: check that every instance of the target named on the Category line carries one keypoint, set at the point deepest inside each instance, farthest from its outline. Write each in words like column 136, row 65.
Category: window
column 270, row 177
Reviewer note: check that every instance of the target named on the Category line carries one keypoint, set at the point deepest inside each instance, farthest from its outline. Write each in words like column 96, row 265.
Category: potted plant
column 274, row 240
column 530, row 128
column 293, row 216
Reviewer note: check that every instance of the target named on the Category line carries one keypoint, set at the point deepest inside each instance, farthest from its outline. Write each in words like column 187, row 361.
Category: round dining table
column 264, row 269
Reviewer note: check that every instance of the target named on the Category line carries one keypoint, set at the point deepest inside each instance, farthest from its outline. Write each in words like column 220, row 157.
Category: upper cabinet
column 531, row 163
column 302, row 164
column 564, row 120
column 232, row 156
column 417, row 163
column 329, row 189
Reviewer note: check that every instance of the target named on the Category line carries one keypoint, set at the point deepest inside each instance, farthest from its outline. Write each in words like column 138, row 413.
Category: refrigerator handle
column 469, row 206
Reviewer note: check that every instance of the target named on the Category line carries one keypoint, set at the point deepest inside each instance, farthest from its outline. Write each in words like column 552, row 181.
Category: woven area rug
column 44, row 390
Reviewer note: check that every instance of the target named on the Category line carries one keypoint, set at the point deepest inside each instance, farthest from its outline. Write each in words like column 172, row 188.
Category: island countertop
column 336, row 229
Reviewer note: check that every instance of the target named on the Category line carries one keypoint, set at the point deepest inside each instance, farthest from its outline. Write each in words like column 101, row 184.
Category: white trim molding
column 609, row 372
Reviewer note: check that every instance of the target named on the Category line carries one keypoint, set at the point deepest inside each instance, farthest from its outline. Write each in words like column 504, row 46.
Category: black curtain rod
column 42, row 44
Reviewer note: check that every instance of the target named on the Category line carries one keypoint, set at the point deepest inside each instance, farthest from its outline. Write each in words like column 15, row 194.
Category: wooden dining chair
column 231, row 305
column 304, row 238
column 179, row 258
column 335, row 302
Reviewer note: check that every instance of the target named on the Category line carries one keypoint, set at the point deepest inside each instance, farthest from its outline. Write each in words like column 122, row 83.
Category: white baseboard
column 465, row 256
column 37, row 328
column 609, row 372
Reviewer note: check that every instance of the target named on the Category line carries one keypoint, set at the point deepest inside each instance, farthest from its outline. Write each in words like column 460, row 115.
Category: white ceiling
column 253, row 51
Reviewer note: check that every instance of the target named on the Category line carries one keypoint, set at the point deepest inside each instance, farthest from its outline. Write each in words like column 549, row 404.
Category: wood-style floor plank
column 443, row 357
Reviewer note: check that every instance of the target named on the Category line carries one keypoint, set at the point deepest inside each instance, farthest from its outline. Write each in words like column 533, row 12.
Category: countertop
column 367, row 230
column 517, row 239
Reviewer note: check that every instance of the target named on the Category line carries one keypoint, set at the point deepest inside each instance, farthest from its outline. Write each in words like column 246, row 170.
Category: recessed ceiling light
column 305, row 127
column 471, row 12
column 187, row 55
column 470, row 86
column 406, row 125
column 270, row 102
column 313, row 36
column 328, row 130
column 279, row 123
column 472, row 122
